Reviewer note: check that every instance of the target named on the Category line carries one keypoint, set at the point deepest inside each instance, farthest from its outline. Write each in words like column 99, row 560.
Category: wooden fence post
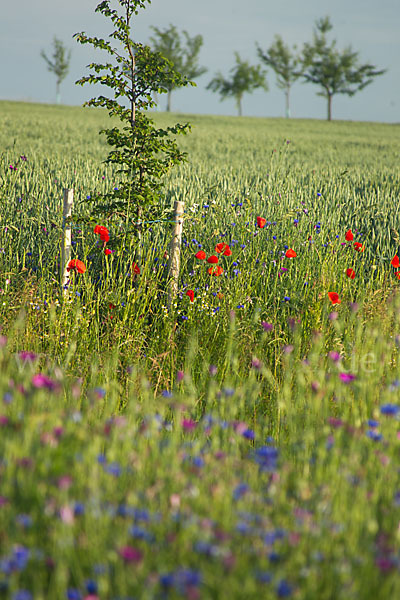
column 175, row 251
column 66, row 237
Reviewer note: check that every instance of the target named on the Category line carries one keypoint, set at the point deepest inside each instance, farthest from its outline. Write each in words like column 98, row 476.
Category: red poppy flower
column 349, row 237
column 290, row 253
column 212, row 259
column 107, row 251
column 395, row 262
column 76, row 265
column 397, row 273
column 227, row 252
column 190, row 293
column 200, row 255
column 221, row 247
column 102, row 232
column 217, row 271
column 111, row 305
column 135, row 269
column 350, row 273
column 261, row 222
column 359, row 247
column 334, row 298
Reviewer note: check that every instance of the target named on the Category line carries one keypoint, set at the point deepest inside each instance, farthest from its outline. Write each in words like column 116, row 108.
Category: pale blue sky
column 370, row 26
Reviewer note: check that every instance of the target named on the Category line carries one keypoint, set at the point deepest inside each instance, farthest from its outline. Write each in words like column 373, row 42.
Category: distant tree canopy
column 245, row 78
column 286, row 65
column 335, row 71
column 183, row 54
column 59, row 64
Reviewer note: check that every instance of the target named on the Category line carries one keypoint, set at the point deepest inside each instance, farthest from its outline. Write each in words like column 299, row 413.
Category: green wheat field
column 239, row 441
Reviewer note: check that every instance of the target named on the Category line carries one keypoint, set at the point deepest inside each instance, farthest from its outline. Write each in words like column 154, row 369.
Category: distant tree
column 183, row 55
column 245, row 78
column 335, row 71
column 286, row 65
column 59, row 65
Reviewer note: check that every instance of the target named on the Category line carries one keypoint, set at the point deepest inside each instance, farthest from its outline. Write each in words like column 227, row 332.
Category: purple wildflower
column 347, row 377
column 42, row 381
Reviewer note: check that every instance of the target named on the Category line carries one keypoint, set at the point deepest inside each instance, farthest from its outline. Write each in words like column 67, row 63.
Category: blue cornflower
column 228, row 391
column 20, row 557
column 166, row 394
column 248, row 434
column 79, row 509
column 113, row 469
column 240, row 490
column 374, row 435
column 203, row 548
column 395, row 384
column 141, row 514
column 283, row 589
column 266, row 457
column 141, row 534
column 24, row 520
column 372, row 423
column 187, row 578
column 390, row 409
column 198, row 461
column 243, row 528
column 73, row 594
column 286, row 298
column 91, row 586
column 22, row 595
column 272, row 536
column 7, row 398
column 274, row 557
column 263, row 577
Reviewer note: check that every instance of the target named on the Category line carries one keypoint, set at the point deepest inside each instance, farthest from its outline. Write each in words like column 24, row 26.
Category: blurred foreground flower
column 42, row 381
